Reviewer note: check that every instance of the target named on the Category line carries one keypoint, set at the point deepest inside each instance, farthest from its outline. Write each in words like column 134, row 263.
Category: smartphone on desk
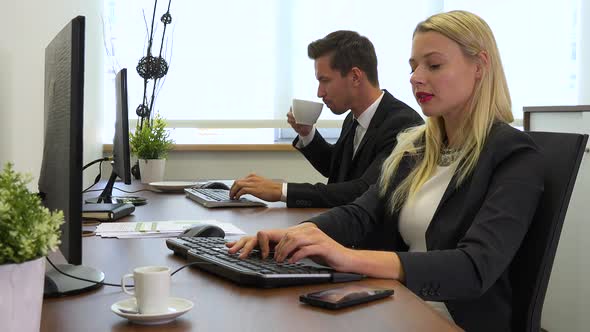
column 346, row 296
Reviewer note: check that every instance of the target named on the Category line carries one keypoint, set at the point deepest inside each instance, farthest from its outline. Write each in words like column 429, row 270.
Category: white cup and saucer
column 150, row 303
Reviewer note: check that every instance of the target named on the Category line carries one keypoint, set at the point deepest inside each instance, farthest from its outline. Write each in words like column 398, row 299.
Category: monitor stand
column 58, row 284
column 107, row 197
column 135, row 200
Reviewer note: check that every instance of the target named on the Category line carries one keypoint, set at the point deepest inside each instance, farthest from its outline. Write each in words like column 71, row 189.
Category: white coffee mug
column 306, row 112
column 151, row 290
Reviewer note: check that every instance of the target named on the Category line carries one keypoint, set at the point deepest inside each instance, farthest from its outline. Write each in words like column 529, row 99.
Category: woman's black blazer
column 474, row 234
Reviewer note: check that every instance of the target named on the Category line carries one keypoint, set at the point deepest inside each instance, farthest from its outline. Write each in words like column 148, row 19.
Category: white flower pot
column 21, row 295
column 152, row 170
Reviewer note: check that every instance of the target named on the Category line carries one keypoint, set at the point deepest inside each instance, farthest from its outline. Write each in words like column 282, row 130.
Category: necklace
column 447, row 156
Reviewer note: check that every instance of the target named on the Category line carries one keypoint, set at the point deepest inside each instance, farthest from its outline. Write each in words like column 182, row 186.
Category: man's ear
column 356, row 75
column 483, row 63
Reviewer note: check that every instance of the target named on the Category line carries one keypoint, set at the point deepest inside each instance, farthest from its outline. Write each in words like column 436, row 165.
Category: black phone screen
column 345, row 296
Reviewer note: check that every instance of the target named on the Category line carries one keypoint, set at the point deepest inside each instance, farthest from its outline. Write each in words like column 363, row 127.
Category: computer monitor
column 121, row 154
column 121, row 163
column 60, row 179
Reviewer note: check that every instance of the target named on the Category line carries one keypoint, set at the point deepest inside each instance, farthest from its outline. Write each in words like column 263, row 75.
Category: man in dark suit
column 346, row 69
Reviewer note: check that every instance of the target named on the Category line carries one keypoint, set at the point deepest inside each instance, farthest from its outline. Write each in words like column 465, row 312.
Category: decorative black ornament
column 166, row 18
column 151, row 68
column 142, row 110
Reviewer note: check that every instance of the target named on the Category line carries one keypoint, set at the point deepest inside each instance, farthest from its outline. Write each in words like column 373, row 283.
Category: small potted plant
column 28, row 231
column 151, row 145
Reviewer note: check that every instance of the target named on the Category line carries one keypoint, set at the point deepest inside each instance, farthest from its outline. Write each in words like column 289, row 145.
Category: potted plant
column 28, row 231
column 151, row 144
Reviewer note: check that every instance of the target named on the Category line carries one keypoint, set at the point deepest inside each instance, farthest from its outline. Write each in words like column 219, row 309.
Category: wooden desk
column 219, row 304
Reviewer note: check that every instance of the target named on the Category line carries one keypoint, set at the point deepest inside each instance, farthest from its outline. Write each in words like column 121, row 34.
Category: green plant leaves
column 152, row 141
column 27, row 229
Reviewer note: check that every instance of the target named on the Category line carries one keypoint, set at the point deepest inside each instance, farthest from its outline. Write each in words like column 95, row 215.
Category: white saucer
column 128, row 309
column 173, row 185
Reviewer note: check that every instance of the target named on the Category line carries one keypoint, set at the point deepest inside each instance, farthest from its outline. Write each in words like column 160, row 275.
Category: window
column 538, row 53
column 237, row 64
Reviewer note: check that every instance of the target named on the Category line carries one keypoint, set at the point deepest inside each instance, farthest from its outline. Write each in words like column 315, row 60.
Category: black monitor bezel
column 50, row 186
column 60, row 180
column 121, row 149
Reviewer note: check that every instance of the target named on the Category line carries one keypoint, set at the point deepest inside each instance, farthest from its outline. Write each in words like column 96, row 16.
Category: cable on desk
column 96, row 161
column 115, row 285
column 189, row 264
column 125, row 191
column 136, row 191
column 83, row 279
column 99, row 173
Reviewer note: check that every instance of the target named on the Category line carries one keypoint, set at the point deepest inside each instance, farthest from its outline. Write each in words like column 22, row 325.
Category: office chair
column 531, row 267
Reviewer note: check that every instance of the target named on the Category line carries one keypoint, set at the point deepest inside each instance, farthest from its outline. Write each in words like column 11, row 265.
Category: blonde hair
column 489, row 103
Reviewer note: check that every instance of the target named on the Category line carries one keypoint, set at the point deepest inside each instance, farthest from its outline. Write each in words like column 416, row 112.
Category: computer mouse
column 215, row 185
column 203, row 231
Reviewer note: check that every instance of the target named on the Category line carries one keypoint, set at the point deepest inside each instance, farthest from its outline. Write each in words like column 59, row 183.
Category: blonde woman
column 455, row 197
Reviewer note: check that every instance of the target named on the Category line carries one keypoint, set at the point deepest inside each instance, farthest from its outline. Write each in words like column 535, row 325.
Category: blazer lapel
column 340, row 168
column 451, row 188
column 369, row 135
column 377, row 120
column 346, row 126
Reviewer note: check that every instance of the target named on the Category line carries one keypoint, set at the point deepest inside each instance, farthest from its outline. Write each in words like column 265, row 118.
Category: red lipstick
column 423, row 97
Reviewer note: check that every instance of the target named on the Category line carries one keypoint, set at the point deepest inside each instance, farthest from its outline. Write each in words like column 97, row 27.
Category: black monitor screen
column 60, row 180
column 121, row 157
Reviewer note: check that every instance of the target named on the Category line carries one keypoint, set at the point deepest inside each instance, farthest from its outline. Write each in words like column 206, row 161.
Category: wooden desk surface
column 219, row 304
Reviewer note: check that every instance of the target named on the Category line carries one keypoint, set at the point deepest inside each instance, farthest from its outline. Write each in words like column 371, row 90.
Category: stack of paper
column 123, row 230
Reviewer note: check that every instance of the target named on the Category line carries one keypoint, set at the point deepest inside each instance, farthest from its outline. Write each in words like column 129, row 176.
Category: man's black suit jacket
column 391, row 117
column 474, row 234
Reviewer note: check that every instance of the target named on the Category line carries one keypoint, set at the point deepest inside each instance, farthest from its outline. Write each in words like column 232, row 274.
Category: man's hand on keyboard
column 258, row 186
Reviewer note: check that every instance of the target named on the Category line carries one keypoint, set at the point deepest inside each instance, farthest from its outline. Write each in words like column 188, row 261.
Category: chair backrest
column 531, row 267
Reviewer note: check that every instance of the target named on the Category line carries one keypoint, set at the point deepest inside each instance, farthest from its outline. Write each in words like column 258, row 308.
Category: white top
column 364, row 120
column 416, row 215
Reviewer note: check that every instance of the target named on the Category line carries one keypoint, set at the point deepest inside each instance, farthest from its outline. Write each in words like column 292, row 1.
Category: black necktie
column 351, row 134
column 347, row 152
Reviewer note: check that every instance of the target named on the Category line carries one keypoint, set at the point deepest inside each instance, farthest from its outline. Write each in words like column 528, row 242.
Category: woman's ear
column 483, row 63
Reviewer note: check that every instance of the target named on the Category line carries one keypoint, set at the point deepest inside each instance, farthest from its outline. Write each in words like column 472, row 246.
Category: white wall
column 27, row 27
column 584, row 54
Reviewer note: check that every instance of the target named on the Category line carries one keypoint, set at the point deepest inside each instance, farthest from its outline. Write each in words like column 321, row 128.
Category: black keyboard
column 252, row 271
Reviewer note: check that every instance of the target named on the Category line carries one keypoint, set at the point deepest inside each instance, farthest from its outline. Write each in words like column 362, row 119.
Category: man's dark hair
column 347, row 49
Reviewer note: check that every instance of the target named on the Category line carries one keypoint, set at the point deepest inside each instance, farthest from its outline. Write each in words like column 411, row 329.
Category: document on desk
column 150, row 229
